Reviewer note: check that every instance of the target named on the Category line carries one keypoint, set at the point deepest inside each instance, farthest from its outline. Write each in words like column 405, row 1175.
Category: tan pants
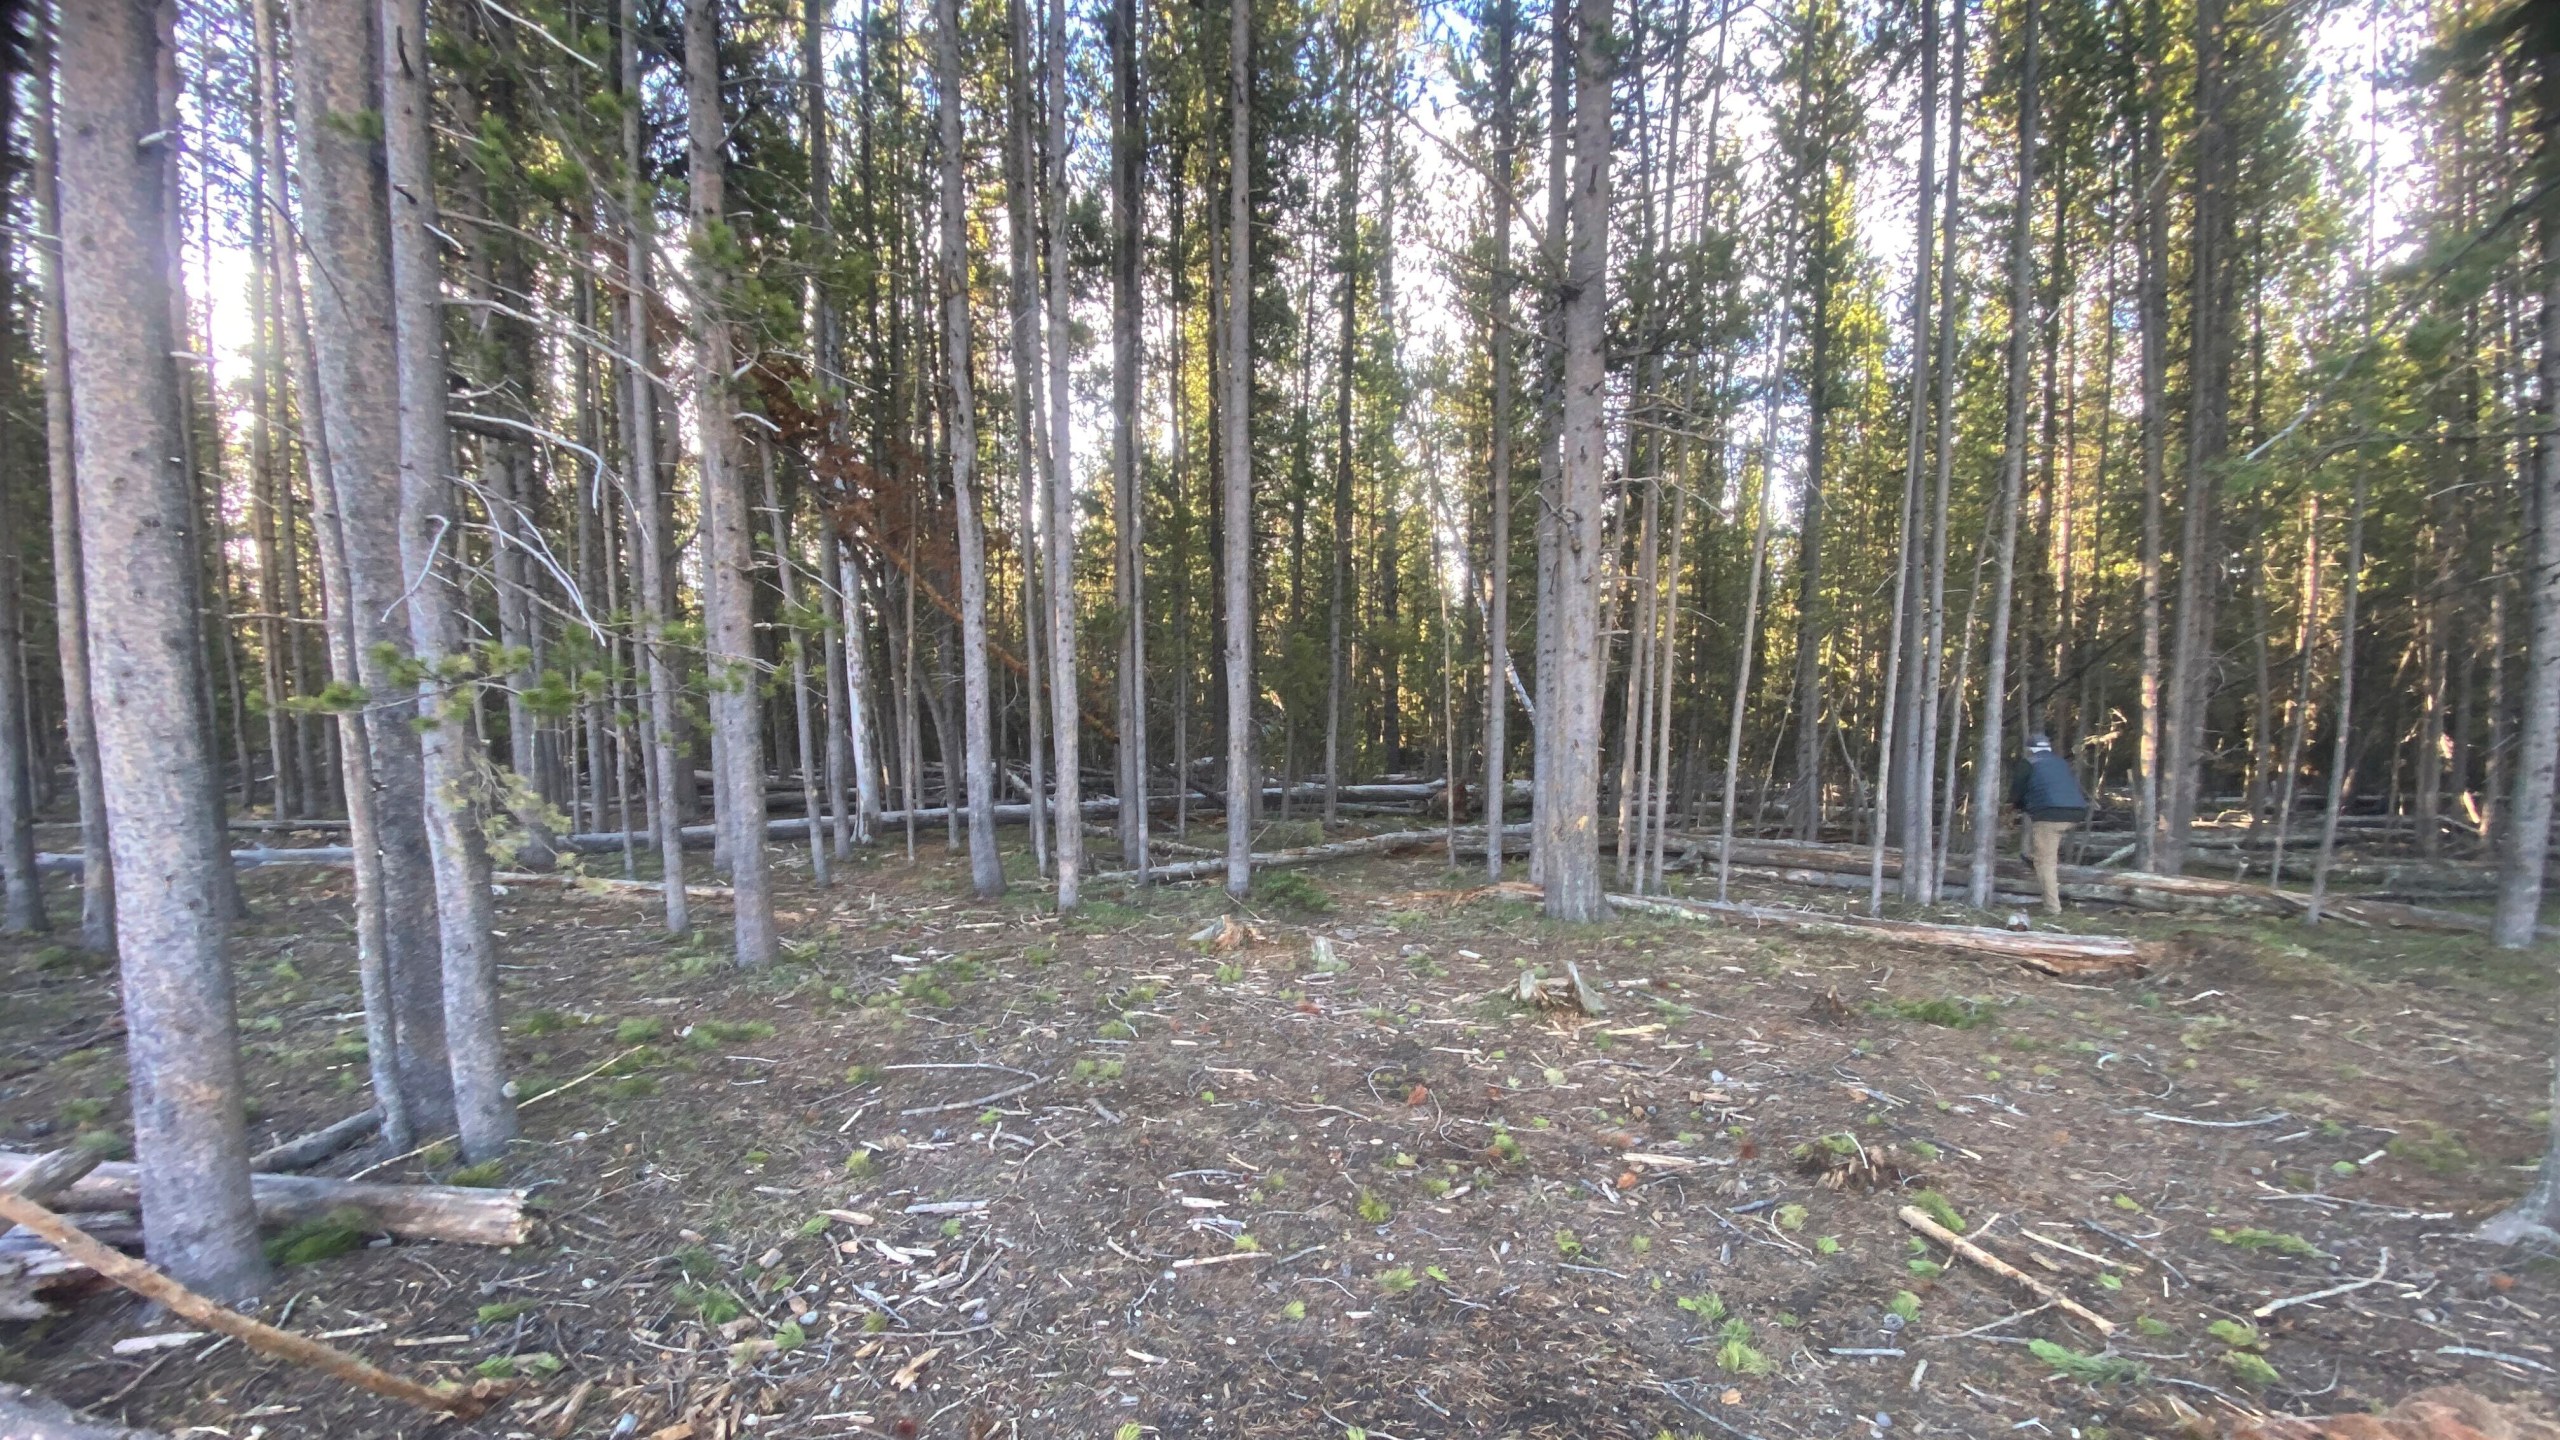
column 2043, row 849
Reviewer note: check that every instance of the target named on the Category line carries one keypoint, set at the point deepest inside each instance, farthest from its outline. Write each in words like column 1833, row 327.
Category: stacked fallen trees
column 1798, row 862
column 101, row 1200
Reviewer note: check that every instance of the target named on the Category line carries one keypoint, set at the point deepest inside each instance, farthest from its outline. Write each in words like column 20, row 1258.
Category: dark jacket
column 2046, row 789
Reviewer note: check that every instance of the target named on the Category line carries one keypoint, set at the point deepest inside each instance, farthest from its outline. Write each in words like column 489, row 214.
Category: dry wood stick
column 147, row 1281
column 53, row 1172
column 1997, row 1266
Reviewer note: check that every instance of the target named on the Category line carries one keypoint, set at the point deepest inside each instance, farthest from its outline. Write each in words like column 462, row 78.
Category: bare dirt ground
column 1292, row 1189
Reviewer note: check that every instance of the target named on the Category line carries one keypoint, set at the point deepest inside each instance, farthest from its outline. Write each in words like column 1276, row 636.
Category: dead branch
column 149, row 1282
column 1916, row 1220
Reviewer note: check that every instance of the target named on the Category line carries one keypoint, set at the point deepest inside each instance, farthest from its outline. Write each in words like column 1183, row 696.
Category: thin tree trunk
column 484, row 1115
column 785, row 567
column 986, row 870
column 1066, row 715
column 345, row 219
column 1570, row 817
column 1926, row 844
column 1337, row 682
column 70, row 600
column 136, row 515
column 1236, row 420
column 728, row 544
column 1497, row 623
column 2013, row 469
column 2299, row 724
column 1128, row 509
column 667, row 764
column 2152, row 280
column 2342, row 744
column 1030, row 426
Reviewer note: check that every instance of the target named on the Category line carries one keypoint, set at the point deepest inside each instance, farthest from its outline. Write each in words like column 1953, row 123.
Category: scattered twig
column 2500, row 1356
column 1912, row 1217
column 2272, row 1306
column 1996, row 1324
column 150, row 1283
column 2216, row 1124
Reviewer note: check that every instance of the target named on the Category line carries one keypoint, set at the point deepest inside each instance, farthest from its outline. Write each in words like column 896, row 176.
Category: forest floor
column 1261, row 1191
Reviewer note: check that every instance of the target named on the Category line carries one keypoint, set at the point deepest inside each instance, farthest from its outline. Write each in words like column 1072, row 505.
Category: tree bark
column 1030, row 427
column 1502, row 352
column 345, row 220
column 484, row 1116
column 1236, row 420
column 647, row 497
column 1987, row 767
column 70, row 599
column 1128, row 507
column 728, row 546
column 986, row 871
column 1569, row 817
column 1066, row 717
column 137, row 514
column 2537, row 752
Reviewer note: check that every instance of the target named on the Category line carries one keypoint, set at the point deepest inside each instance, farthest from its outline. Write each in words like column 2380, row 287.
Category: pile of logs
column 103, row 1199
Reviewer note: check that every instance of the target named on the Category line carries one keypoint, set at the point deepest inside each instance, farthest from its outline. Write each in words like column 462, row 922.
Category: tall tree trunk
column 1337, row 675
column 1066, row 714
column 70, row 599
column 1128, row 509
column 728, row 545
column 2191, row 657
column 345, row 227
column 2152, row 281
column 668, row 766
column 1570, row 816
column 1926, row 841
column 986, row 871
column 2537, row 751
column 1560, row 110
column 1497, row 619
column 137, row 513
column 1987, row 811
column 1244, row 787
column 1030, row 428
column 484, row 1115
column 1908, row 819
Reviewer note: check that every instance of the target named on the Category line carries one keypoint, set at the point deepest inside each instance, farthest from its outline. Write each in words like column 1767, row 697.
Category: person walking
column 2051, row 797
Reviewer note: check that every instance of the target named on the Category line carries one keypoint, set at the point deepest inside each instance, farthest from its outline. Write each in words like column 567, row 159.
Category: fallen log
column 2074, row 955
column 453, row 1214
column 149, row 1282
column 1391, row 843
column 304, row 1151
column 2091, row 885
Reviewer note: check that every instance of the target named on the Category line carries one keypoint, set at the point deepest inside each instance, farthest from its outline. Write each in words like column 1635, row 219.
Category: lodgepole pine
column 484, row 1115
column 137, row 517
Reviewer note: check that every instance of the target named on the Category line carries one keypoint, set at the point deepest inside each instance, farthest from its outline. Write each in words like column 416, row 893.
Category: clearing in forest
column 957, row 1169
